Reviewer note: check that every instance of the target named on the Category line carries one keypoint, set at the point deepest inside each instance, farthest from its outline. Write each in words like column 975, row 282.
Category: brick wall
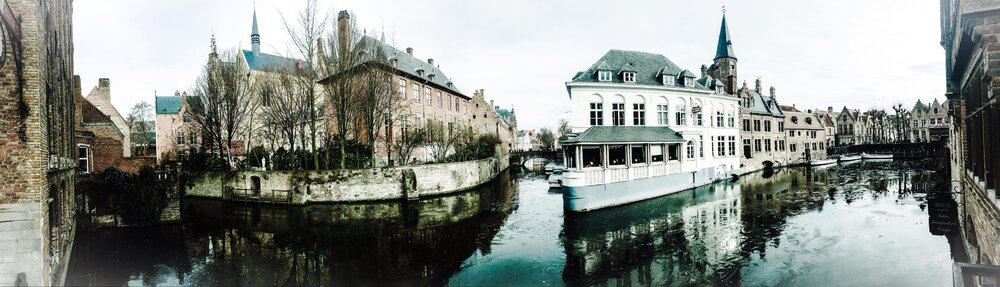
column 37, row 141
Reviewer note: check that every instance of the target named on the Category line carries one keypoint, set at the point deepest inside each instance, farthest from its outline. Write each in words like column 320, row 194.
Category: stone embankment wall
column 410, row 182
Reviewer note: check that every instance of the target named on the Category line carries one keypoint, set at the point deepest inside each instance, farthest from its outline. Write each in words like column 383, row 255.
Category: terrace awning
column 624, row 134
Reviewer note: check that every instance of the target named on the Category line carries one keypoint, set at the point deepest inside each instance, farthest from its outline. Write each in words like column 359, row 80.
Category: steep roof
column 785, row 108
column 507, row 116
column 168, row 105
column 626, row 134
column 763, row 105
column 725, row 46
column 409, row 65
column 91, row 114
column 648, row 68
column 264, row 61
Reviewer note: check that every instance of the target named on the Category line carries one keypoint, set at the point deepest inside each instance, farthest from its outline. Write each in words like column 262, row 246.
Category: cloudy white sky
column 859, row 53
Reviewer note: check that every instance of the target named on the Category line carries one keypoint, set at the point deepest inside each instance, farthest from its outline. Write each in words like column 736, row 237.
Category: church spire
column 254, row 35
column 725, row 48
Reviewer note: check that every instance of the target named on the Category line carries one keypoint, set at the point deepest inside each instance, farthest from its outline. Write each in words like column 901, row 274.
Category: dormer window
column 604, row 76
column 718, row 89
column 628, row 77
column 395, row 63
column 420, row 72
column 689, row 81
column 668, row 80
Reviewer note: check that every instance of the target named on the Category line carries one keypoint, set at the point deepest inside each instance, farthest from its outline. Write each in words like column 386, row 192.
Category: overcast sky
column 859, row 53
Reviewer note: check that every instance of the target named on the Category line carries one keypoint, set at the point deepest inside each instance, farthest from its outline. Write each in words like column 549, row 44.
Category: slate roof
column 648, row 68
column 763, row 105
column 625, row 134
column 264, row 61
column 168, row 105
column 507, row 116
column 410, row 65
column 788, row 109
column 725, row 46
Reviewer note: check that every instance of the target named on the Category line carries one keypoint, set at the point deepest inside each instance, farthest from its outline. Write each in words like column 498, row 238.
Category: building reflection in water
column 708, row 235
column 412, row 243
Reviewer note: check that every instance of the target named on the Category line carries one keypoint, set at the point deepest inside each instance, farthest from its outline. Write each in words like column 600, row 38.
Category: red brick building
column 100, row 138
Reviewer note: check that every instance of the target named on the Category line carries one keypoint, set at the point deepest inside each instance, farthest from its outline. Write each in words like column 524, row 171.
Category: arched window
column 596, row 110
column 795, row 120
column 680, row 113
column 618, row 111
column 639, row 111
column 690, row 149
column 662, row 113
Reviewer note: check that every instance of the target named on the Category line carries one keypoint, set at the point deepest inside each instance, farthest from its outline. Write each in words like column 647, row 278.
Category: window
column 596, row 114
column 84, row 160
column 427, row 96
column 719, row 119
column 809, row 121
column 732, row 119
column 638, row 114
column 690, row 149
column 767, row 125
column 756, row 125
column 795, row 120
column 756, row 145
column 402, row 89
column 791, row 147
column 821, row 147
column 698, row 119
column 781, row 127
column 604, row 76
column 662, row 115
column 746, row 125
column 591, row 156
column 616, row 155
column 791, row 134
column 674, row 151
column 681, row 115
column 449, row 102
column 814, row 146
column 570, row 155
column 668, row 80
column 618, row 114
column 180, row 137
column 701, row 146
column 193, row 138
column 767, row 145
column 638, row 154
column 628, row 77
column 416, row 92
column 721, row 148
column 440, row 100
column 732, row 145
column 656, row 152
column 813, row 134
column 780, row 145
column 689, row 81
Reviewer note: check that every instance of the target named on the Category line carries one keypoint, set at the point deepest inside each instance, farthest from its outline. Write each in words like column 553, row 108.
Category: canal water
column 870, row 223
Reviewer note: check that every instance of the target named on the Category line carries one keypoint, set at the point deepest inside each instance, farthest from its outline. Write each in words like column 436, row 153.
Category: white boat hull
column 876, row 156
column 593, row 197
column 819, row 162
column 847, row 158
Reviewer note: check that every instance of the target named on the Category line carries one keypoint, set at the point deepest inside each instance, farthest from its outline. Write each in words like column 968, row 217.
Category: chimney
column 491, row 103
column 104, row 83
column 430, row 62
column 343, row 31
column 409, row 51
column 758, row 86
column 829, row 109
column 773, row 95
column 704, row 71
column 176, row 93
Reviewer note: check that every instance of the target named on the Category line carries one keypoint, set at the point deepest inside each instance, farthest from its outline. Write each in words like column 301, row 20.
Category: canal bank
column 839, row 225
column 358, row 185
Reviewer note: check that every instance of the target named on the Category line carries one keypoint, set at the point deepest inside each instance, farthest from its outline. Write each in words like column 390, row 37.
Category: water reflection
column 725, row 234
column 224, row 244
column 840, row 225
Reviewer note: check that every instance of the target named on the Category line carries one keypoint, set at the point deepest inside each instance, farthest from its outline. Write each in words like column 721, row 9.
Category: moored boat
column 876, row 156
column 819, row 162
column 846, row 158
column 555, row 179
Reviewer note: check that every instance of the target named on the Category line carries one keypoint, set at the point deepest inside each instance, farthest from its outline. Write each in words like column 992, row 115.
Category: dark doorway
column 255, row 185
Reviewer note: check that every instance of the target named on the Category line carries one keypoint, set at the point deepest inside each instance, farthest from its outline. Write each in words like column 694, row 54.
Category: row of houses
column 425, row 95
column 726, row 126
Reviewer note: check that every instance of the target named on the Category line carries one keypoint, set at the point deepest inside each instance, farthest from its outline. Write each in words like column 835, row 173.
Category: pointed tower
column 254, row 35
column 724, row 67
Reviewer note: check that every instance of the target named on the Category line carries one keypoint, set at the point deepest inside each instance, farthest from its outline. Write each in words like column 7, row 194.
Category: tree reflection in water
column 226, row 244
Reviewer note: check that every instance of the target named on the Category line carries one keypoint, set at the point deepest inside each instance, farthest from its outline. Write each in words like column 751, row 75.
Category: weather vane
column 723, row 9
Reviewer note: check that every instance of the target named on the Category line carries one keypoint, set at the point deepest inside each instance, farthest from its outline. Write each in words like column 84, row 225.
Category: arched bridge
column 521, row 157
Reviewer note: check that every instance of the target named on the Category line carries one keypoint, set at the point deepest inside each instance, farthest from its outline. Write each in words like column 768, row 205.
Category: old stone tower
column 724, row 67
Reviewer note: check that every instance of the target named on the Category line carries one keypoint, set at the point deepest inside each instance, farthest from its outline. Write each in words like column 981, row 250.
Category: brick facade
column 970, row 35
column 37, row 145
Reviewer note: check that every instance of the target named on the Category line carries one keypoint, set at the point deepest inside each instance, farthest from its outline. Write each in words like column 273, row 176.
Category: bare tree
column 441, row 139
column 377, row 102
column 138, row 120
column 305, row 31
column 223, row 98
column 410, row 139
column 342, row 86
column 282, row 108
